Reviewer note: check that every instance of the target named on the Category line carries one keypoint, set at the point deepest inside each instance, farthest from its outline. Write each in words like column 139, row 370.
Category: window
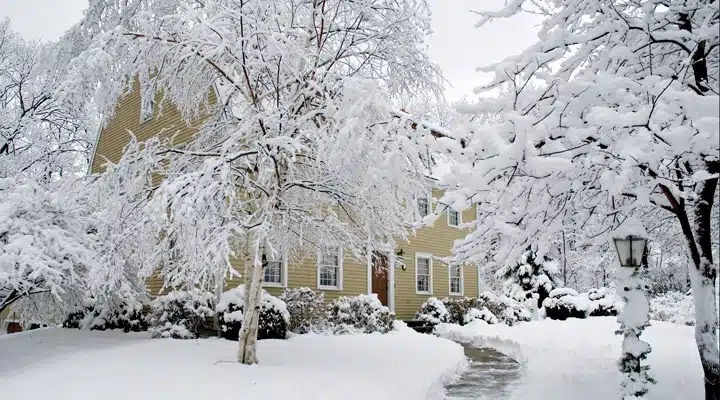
column 423, row 206
column 456, row 279
column 330, row 269
column 147, row 108
column 274, row 273
column 453, row 217
column 423, row 274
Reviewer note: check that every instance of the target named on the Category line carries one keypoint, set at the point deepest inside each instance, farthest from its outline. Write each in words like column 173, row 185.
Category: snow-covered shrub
column 105, row 315
column 482, row 314
column 363, row 314
column 458, row 308
column 603, row 303
column 566, row 303
column 675, row 307
column 530, row 277
column 507, row 310
column 307, row 309
column 433, row 311
column 180, row 314
column 274, row 316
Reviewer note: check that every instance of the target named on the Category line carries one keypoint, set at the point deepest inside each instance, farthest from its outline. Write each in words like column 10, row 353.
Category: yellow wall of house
column 437, row 240
column 167, row 122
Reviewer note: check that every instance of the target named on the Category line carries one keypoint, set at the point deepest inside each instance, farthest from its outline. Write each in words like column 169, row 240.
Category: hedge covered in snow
column 565, row 303
column 181, row 314
column 104, row 315
column 434, row 312
column 359, row 314
column 306, row 308
column 488, row 307
column 274, row 316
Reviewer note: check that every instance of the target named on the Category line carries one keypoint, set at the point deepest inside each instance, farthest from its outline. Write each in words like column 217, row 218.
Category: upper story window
column 147, row 108
column 453, row 217
column 423, row 206
column 330, row 263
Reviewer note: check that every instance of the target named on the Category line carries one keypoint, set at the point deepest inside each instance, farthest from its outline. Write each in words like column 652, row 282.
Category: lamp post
column 635, row 316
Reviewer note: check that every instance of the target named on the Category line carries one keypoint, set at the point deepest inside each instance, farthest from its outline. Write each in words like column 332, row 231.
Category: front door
column 380, row 277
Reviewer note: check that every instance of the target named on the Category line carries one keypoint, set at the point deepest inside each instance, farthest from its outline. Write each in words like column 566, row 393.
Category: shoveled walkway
column 491, row 375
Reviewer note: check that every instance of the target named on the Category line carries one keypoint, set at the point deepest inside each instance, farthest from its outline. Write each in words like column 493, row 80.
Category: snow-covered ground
column 63, row 364
column 577, row 359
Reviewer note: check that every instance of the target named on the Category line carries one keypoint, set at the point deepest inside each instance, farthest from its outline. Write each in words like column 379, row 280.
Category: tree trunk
column 703, row 280
column 247, row 341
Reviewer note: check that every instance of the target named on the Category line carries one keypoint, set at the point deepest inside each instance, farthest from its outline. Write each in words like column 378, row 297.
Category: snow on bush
column 433, row 311
column 106, row 315
column 360, row 314
column 507, row 310
column 307, row 309
column 674, row 307
column 180, row 314
column 274, row 316
column 565, row 303
column 482, row 314
column 458, row 308
column 603, row 303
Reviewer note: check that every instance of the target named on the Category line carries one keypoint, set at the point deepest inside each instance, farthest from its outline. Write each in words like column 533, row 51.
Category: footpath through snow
column 577, row 359
column 63, row 364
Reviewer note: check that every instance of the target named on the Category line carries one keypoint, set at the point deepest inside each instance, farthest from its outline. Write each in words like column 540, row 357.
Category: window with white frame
column 274, row 273
column 330, row 268
column 453, row 217
column 456, row 279
column 423, row 206
column 147, row 108
column 423, row 274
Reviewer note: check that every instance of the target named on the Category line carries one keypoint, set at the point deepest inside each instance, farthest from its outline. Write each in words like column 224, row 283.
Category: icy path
column 491, row 376
column 577, row 358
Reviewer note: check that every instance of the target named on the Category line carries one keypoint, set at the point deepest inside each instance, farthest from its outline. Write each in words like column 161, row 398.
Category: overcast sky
column 456, row 45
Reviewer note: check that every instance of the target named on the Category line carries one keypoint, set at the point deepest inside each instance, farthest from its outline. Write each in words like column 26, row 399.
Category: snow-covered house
column 403, row 288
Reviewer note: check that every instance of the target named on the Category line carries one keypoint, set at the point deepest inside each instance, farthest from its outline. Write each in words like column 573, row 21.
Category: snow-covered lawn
column 577, row 359
column 63, row 364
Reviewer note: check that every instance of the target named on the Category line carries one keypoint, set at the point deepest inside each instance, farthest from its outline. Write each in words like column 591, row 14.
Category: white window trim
column 430, row 284
column 459, row 214
column 143, row 116
column 462, row 281
column 340, row 272
column 283, row 276
column 428, row 199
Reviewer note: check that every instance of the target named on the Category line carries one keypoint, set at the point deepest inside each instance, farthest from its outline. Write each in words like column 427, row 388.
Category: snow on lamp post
column 630, row 240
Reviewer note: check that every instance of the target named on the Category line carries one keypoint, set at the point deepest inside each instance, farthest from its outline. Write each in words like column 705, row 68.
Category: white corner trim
column 430, row 284
column 341, row 261
column 369, row 272
column 391, row 284
column 94, row 149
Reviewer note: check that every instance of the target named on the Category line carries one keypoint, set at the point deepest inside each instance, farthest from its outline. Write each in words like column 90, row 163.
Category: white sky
column 456, row 45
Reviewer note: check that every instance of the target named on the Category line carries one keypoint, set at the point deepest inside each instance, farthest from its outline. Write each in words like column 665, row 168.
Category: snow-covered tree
column 300, row 150
column 45, row 250
column 612, row 112
column 44, row 132
column 530, row 277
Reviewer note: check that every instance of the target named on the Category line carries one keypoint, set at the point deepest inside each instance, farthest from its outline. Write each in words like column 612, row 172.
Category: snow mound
column 76, row 365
